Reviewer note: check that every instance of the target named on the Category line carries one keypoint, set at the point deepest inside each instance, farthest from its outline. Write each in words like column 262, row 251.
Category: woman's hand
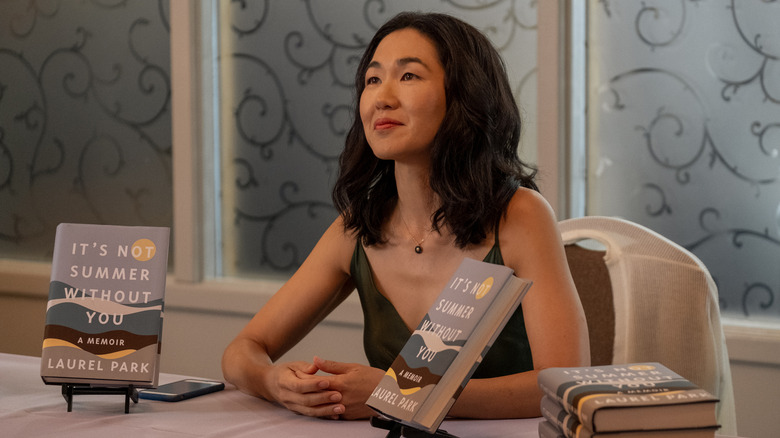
column 296, row 386
column 354, row 382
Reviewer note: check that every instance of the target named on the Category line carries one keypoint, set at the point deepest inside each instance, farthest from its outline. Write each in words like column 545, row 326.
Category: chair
column 647, row 299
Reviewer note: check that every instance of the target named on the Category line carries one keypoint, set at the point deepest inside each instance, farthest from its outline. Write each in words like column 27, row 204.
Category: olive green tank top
column 385, row 333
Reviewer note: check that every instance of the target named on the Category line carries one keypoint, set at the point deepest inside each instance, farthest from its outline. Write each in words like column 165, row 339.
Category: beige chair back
column 664, row 304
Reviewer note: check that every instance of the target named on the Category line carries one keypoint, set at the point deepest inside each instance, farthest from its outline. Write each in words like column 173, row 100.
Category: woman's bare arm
column 554, row 319
column 318, row 286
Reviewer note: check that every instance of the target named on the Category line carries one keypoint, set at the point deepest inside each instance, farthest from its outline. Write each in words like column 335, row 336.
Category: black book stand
column 398, row 430
column 69, row 390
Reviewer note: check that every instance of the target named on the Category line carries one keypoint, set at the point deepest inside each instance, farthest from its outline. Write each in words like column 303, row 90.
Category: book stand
column 398, row 430
column 69, row 390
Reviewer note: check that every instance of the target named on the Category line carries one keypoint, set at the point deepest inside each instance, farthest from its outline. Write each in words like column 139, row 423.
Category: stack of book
column 624, row 401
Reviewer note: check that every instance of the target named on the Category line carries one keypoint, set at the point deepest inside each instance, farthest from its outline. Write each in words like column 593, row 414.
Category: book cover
column 105, row 310
column 642, row 396
column 562, row 424
column 448, row 345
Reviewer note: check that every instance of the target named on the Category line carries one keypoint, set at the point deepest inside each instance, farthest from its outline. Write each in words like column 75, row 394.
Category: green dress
column 385, row 333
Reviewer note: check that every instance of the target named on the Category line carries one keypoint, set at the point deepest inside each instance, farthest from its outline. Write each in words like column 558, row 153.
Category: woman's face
column 403, row 103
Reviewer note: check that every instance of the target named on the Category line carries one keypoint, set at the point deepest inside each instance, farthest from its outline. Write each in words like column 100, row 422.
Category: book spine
column 548, row 430
column 590, row 405
column 550, row 393
column 565, row 421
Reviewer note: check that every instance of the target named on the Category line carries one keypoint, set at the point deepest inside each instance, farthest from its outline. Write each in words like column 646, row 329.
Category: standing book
column 632, row 397
column 448, row 345
column 105, row 310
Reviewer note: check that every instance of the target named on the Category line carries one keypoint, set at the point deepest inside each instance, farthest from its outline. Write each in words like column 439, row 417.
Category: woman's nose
column 386, row 96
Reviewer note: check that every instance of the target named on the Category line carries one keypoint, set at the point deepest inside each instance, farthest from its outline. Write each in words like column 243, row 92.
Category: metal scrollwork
column 767, row 73
column 663, row 207
column 672, row 125
column 84, row 118
column 740, row 239
column 751, row 290
column 257, row 21
column 737, row 235
column 647, row 20
column 24, row 22
column 762, row 132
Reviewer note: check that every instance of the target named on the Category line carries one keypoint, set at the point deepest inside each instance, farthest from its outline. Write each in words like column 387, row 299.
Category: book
column 566, row 425
column 632, row 397
column 105, row 309
column 448, row 345
column 548, row 430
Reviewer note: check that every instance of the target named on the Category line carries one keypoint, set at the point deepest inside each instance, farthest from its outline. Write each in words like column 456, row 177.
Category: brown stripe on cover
column 400, row 367
column 100, row 343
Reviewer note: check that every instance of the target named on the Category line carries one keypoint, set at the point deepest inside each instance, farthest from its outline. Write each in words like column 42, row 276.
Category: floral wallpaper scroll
column 685, row 133
column 85, row 130
column 287, row 69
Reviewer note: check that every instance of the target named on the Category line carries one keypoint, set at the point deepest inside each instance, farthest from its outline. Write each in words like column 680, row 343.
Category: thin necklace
column 418, row 248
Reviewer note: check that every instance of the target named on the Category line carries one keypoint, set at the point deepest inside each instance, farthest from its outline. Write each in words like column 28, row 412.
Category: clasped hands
column 340, row 393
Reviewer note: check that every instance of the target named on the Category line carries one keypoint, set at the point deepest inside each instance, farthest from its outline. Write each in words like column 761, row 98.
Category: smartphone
column 181, row 390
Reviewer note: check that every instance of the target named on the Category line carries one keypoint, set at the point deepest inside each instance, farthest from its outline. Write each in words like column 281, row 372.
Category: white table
column 28, row 408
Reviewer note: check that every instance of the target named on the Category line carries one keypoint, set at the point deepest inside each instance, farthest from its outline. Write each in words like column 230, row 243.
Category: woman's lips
column 384, row 123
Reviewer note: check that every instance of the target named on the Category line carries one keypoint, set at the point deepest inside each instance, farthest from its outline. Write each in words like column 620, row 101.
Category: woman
column 429, row 175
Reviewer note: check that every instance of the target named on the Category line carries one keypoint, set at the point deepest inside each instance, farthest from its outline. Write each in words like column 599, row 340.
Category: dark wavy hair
column 475, row 169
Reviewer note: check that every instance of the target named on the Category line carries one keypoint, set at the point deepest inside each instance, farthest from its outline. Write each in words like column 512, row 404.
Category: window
column 684, row 134
column 84, row 119
column 281, row 93
column 88, row 86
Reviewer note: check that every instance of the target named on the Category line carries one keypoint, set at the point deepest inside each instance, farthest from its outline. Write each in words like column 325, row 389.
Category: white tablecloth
column 28, row 408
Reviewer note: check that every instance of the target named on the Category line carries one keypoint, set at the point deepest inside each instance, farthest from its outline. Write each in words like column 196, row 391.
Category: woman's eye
column 372, row 80
column 408, row 76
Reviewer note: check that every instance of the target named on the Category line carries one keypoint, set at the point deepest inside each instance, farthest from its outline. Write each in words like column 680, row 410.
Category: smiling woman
column 403, row 102
column 430, row 159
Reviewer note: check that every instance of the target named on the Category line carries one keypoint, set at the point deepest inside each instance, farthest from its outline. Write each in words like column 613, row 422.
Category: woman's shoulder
column 341, row 235
column 336, row 245
column 528, row 207
column 529, row 223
